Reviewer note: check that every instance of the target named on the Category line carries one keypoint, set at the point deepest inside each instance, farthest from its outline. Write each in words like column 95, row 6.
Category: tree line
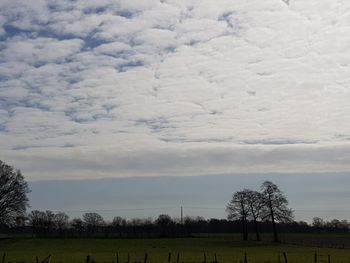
column 248, row 211
column 51, row 224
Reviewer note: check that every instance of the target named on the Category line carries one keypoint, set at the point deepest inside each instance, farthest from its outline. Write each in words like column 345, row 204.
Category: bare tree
column 255, row 203
column 49, row 220
column 117, row 224
column 37, row 220
column 13, row 194
column 92, row 221
column 318, row 223
column 118, row 221
column 238, row 209
column 61, row 221
column 276, row 206
column 77, row 225
column 164, row 220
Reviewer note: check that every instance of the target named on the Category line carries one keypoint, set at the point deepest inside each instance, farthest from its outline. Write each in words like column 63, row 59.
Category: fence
column 282, row 258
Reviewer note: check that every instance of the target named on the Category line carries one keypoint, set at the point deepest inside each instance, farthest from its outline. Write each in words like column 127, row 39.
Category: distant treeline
column 50, row 224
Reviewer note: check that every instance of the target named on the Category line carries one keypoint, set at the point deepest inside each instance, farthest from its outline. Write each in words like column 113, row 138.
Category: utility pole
column 181, row 216
column 182, row 227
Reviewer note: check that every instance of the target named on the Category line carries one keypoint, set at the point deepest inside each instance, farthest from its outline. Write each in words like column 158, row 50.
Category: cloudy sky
column 118, row 88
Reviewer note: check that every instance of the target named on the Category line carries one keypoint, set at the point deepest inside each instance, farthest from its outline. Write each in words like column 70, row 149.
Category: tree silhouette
column 255, row 202
column 37, row 220
column 165, row 223
column 61, row 221
column 275, row 206
column 13, row 194
column 77, row 225
column 164, row 220
column 92, row 221
column 238, row 209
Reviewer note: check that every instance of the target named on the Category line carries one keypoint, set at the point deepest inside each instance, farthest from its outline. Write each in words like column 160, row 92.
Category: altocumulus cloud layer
column 120, row 88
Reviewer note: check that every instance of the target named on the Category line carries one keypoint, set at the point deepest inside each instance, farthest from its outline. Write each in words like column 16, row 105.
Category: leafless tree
column 61, row 221
column 92, row 221
column 37, row 220
column 238, row 209
column 49, row 220
column 164, row 220
column 13, row 194
column 117, row 224
column 255, row 203
column 77, row 225
column 276, row 206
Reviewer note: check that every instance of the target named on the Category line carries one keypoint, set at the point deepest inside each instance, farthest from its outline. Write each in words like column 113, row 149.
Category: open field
column 228, row 249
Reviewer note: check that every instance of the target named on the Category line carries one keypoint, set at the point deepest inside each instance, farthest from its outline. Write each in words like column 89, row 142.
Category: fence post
column 47, row 259
column 169, row 257
column 146, row 256
column 36, row 259
column 128, row 258
column 329, row 258
column 116, row 258
column 87, row 259
column 315, row 257
column 215, row 259
column 178, row 258
column 285, row 257
column 205, row 258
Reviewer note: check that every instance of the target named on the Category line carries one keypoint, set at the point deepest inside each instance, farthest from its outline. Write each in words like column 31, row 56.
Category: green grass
column 228, row 249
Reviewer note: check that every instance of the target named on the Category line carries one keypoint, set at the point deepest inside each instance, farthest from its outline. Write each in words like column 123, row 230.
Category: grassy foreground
column 227, row 248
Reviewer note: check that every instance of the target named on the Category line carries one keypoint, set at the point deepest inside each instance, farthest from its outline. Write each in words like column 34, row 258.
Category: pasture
column 228, row 248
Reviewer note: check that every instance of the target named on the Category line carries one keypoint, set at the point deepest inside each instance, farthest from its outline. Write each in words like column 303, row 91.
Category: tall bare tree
column 276, row 206
column 238, row 209
column 255, row 202
column 13, row 194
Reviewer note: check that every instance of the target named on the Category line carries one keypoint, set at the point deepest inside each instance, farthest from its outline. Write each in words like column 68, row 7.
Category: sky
column 126, row 88
column 324, row 195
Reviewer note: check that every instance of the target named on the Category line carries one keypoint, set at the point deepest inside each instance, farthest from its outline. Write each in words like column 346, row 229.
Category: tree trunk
column 244, row 229
column 257, row 230
column 273, row 222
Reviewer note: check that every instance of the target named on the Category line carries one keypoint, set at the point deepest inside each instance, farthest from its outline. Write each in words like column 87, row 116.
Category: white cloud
column 39, row 50
column 174, row 87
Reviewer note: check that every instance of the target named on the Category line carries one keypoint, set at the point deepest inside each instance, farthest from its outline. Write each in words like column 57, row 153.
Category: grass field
column 228, row 249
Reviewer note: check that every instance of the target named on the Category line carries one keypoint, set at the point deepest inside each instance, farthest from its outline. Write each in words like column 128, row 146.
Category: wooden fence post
column 285, row 257
column 47, row 259
column 329, row 258
column 169, row 257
